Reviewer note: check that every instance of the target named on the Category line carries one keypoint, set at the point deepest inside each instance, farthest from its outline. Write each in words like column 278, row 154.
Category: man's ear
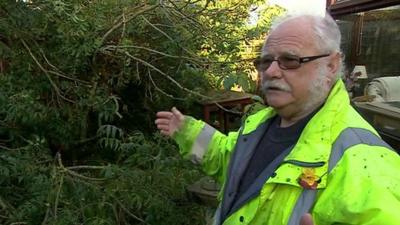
column 333, row 65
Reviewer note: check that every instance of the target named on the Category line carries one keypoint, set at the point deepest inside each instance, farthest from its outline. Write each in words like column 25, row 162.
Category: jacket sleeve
column 364, row 188
column 204, row 145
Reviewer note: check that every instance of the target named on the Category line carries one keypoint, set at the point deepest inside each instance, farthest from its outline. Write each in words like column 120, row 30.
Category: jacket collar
column 315, row 142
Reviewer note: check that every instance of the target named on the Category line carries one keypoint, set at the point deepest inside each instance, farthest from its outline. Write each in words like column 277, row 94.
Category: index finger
column 164, row 114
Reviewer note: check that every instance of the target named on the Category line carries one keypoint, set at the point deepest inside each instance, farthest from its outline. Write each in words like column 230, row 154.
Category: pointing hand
column 168, row 122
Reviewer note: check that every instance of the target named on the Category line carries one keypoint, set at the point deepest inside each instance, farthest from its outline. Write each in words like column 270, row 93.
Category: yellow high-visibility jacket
column 339, row 170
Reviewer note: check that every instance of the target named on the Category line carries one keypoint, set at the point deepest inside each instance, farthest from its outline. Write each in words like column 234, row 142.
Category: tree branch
column 122, row 21
column 113, row 47
column 179, row 85
column 46, row 73
column 183, row 15
column 58, row 195
column 160, row 90
column 128, row 212
column 167, row 36
column 58, row 72
column 85, row 167
column 72, row 173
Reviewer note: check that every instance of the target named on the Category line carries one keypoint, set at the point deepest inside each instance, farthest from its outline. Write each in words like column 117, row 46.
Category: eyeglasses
column 285, row 62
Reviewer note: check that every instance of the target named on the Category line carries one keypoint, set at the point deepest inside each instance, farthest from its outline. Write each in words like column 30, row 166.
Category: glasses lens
column 264, row 63
column 289, row 62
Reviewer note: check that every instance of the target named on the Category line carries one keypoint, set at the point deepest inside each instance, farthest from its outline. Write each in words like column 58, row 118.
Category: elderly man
column 310, row 156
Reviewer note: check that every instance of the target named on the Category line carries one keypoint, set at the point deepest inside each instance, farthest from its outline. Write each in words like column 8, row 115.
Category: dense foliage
column 81, row 82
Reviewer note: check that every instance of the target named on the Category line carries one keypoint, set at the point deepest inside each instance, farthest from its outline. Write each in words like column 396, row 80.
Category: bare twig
column 154, row 51
column 72, row 173
column 131, row 16
column 85, row 167
column 158, row 29
column 48, row 205
column 67, row 77
column 198, row 60
column 128, row 212
column 159, row 71
column 58, row 195
column 46, row 73
column 170, row 78
column 160, row 90
column 123, row 25
column 115, row 211
column 167, row 36
column 57, row 71
column 179, row 85
column 178, row 10
column 115, row 99
column 46, row 217
column 10, row 149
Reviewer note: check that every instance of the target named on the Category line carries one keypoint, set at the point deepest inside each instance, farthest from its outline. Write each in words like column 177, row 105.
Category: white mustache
column 274, row 84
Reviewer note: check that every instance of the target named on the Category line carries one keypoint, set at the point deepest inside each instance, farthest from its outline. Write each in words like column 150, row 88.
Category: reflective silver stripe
column 244, row 148
column 217, row 216
column 200, row 145
column 303, row 205
column 347, row 138
column 350, row 137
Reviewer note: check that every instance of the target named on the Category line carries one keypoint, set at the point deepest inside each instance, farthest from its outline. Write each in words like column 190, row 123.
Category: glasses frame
column 301, row 60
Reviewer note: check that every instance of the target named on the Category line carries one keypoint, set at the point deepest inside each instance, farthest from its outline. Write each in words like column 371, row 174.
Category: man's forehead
column 278, row 52
column 289, row 39
column 277, row 49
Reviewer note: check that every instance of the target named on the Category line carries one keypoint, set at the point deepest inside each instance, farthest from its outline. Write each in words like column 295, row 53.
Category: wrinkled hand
column 306, row 219
column 168, row 122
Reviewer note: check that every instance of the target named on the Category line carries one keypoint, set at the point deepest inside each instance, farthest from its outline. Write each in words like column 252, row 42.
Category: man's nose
column 273, row 71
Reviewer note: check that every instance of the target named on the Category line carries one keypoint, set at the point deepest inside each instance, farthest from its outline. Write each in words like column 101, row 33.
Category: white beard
column 319, row 90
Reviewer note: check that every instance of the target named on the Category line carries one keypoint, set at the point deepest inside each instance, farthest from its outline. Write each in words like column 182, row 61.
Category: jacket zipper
column 304, row 164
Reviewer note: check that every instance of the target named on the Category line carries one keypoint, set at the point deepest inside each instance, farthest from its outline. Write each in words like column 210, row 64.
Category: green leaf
column 243, row 81
column 229, row 82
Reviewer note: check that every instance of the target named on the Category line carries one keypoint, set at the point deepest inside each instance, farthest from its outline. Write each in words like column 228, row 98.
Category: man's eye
column 267, row 60
column 288, row 59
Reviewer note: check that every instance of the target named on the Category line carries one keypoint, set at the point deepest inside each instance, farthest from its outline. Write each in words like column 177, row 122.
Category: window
column 372, row 39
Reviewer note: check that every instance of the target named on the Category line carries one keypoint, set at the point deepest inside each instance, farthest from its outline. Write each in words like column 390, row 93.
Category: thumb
column 306, row 219
column 177, row 113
